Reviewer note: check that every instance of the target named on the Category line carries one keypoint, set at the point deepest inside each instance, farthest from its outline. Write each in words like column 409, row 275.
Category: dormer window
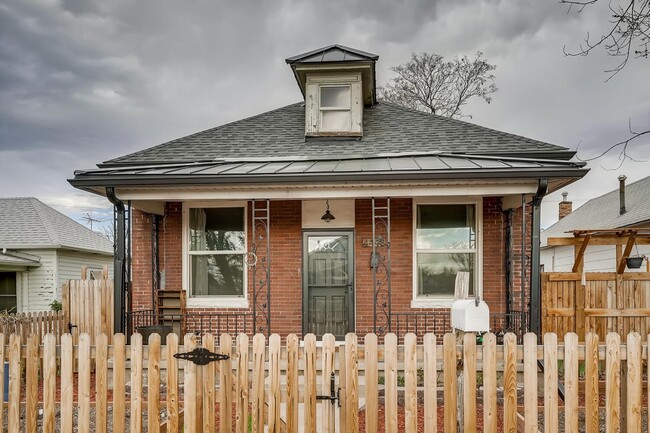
column 335, row 104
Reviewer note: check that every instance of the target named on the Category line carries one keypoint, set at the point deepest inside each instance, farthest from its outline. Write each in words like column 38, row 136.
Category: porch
column 361, row 272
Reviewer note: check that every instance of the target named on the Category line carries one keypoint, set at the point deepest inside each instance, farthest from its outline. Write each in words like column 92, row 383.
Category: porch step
column 171, row 302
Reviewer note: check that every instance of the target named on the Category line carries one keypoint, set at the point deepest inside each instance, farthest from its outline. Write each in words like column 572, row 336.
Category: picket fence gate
column 265, row 385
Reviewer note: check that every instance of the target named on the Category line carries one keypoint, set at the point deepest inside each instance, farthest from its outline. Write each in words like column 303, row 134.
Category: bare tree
column 428, row 83
column 626, row 36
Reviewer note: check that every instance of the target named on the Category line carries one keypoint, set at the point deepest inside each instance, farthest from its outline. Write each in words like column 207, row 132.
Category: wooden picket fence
column 38, row 323
column 412, row 387
column 88, row 305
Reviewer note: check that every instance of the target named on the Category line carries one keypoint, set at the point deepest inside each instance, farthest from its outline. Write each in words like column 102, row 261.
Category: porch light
column 327, row 217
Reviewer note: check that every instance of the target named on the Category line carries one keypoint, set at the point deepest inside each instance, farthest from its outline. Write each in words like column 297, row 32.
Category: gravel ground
column 57, row 427
column 581, row 421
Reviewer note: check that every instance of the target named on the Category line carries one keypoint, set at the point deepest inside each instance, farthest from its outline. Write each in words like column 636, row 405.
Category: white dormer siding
column 333, row 105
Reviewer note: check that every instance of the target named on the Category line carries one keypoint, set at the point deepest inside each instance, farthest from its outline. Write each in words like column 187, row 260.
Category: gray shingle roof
column 25, row 223
column 603, row 212
column 387, row 128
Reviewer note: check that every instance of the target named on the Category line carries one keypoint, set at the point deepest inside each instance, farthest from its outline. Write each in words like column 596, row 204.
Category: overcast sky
column 83, row 81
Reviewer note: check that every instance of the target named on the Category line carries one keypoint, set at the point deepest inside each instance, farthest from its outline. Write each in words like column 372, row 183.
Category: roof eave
column 88, row 181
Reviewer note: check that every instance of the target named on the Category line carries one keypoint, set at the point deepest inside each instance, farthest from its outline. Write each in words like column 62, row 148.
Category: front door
column 328, row 280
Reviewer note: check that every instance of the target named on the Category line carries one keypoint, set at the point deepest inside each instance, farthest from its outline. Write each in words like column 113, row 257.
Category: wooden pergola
column 624, row 239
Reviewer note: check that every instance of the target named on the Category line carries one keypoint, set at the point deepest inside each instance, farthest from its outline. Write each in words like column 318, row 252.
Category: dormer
column 336, row 82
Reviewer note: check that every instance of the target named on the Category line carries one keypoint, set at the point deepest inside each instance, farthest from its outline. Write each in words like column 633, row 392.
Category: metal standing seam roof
column 25, row 222
column 332, row 53
column 433, row 165
column 603, row 212
column 387, row 128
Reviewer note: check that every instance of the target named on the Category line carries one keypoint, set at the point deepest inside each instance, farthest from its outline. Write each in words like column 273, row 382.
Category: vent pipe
column 621, row 193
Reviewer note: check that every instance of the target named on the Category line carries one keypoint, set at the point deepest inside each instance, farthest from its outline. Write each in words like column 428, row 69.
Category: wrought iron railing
column 439, row 323
column 193, row 323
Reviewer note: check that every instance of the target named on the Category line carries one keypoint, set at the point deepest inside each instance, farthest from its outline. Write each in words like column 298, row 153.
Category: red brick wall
column 494, row 289
column 286, row 260
column 141, row 259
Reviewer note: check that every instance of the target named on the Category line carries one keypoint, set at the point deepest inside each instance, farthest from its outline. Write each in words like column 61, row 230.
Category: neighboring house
column 40, row 248
column 626, row 207
column 338, row 213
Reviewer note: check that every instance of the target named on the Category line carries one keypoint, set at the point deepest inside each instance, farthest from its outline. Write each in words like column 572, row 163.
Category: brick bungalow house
column 338, row 213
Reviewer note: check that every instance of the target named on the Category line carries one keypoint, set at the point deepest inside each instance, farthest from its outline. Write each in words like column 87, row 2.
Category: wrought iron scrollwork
column 261, row 265
column 381, row 266
column 201, row 356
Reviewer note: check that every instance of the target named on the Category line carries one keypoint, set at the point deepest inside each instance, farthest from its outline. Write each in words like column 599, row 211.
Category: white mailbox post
column 470, row 315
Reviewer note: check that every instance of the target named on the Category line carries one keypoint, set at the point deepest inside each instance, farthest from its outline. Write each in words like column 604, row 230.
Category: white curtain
column 200, row 276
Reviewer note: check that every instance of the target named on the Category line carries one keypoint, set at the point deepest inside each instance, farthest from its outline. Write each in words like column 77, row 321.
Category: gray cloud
column 83, row 81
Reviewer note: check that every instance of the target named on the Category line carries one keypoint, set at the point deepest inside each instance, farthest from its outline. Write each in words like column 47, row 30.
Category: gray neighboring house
column 602, row 212
column 40, row 248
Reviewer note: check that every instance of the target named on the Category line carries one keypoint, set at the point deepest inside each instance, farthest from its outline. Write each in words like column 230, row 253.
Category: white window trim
column 446, row 301
column 211, row 301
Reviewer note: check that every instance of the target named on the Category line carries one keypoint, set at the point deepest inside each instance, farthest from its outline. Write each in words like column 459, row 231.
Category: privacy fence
column 449, row 383
column 599, row 302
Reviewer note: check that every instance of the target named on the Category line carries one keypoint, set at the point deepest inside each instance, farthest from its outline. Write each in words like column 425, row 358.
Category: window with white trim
column 216, row 249
column 335, row 108
column 445, row 244
column 8, row 294
column 333, row 105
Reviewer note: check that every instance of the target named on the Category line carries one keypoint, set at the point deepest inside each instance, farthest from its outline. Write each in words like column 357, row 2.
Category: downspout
column 119, row 258
column 155, row 274
column 535, row 277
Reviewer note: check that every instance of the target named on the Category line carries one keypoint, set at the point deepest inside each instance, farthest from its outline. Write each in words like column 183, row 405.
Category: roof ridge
column 113, row 161
column 47, row 224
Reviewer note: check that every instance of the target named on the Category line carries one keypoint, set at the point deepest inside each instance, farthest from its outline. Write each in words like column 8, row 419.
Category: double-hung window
column 8, row 297
column 216, row 249
column 335, row 108
column 446, row 243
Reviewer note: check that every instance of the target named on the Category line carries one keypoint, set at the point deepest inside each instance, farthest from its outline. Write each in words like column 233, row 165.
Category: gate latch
column 70, row 326
column 335, row 394
column 201, row 356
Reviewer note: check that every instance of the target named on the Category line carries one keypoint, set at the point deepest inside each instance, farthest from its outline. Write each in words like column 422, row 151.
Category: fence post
column 571, row 381
column 490, row 416
column 49, row 383
column 592, row 417
column 390, row 382
column 119, row 387
column 410, row 383
column 31, row 388
column 292, row 383
column 153, row 384
column 510, row 382
column 310, row 383
column 372, row 380
column 634, row 382
column 208, row 382
column 530, row 382
column 258, row 383
column 352, row 383
column 329, row 350
column 241, row 423
column 550, row 383
column 173, row 422
column 451, row 383
column 613, row 383
column 101, row 385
